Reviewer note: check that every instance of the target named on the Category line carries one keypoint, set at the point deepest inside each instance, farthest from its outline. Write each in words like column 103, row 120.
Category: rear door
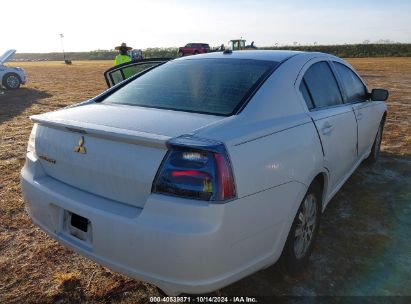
column 126, row 70
column 195, row 48
column 189, row 49
column 367, row 113
column 335, row 121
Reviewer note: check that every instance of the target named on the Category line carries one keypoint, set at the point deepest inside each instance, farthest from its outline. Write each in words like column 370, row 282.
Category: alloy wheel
column 13, row 82
column 304, row 232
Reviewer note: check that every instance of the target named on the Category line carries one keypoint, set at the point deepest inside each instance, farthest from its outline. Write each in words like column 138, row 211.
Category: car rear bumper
column 179, row 245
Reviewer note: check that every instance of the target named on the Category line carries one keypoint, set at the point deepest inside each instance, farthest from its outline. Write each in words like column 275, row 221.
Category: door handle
column 327, row 129
column 359, row 115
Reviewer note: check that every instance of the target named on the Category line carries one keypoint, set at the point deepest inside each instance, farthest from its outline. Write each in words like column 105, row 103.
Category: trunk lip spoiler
column 106, row 132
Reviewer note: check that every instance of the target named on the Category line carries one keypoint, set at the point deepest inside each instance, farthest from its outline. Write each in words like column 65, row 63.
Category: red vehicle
column 193, row 49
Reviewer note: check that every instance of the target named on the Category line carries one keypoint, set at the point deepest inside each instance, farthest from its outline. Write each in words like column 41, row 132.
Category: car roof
column 271, row 55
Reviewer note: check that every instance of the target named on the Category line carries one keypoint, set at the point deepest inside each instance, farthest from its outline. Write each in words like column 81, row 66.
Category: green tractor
column 239, row 44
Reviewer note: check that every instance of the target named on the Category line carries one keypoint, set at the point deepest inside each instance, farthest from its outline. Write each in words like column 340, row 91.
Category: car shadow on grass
column 364, row 244
column 14, row 102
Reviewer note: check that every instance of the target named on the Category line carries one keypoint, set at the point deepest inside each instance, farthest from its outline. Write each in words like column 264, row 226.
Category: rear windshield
column 212, row 86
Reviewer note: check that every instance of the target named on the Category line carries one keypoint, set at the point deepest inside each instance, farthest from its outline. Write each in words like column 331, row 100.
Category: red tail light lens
column 225, row 177
column 195, row 169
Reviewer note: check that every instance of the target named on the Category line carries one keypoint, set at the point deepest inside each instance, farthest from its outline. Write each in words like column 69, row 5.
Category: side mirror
column 379, row 94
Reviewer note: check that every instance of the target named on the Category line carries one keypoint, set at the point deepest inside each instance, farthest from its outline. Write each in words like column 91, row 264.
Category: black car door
column 123, row 71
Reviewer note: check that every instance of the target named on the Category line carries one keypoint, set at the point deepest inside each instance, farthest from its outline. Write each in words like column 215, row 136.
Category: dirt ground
column 364, row 245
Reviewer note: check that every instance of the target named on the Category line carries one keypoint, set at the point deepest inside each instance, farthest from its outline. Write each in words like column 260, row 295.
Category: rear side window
column 353, row 86
column 322, row 85
column 306, row 95
column 212, row 86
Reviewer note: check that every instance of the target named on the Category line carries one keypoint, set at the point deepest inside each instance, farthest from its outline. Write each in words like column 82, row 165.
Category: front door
column 367, row 113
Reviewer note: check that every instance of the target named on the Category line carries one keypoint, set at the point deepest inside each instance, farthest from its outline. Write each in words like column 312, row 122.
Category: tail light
column 196, row 169
column 31, row 146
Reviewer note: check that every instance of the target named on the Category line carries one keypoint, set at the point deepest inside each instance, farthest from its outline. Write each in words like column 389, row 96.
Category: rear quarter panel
column 291, row 155
column 272, row 175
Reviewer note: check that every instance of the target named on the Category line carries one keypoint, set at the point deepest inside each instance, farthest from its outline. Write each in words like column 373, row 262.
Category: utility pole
column 62, row 46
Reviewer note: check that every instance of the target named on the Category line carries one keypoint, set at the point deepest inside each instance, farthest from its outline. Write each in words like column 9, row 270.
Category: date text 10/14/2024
column 203, row 299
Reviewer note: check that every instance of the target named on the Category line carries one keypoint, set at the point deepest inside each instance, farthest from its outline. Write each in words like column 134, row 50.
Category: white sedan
column 197, row 172
column 11, row 77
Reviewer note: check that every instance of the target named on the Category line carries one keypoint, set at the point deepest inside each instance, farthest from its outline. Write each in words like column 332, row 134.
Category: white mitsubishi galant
column 197, row 172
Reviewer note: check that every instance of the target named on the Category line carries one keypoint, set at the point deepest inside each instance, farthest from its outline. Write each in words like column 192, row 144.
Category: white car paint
column 5, row 70
column 276, row 147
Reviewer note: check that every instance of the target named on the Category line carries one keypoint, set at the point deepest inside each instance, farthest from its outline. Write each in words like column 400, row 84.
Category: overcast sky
column 34, row 26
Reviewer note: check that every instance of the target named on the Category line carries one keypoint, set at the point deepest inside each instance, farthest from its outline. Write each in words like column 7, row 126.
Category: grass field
column 364, row 246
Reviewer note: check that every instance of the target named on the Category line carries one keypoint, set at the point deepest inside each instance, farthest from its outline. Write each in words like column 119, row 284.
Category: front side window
column 353, row 86
column 212, row 86
column 322, row 85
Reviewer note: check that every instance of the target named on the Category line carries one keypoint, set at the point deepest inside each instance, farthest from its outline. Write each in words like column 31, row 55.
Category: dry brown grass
column 35, row 268
column 393, row 74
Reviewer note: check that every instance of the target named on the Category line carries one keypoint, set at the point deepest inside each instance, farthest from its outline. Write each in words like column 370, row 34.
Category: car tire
column 11, row 81
column 376, row 146
column 180, row 54
column 303, row 232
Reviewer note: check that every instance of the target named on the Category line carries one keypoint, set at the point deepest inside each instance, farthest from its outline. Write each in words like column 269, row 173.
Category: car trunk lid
column 110, row 151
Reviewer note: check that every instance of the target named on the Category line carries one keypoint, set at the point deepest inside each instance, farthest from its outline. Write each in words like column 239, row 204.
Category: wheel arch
column 5, row 75
column 11, row 73
column 322, row 179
